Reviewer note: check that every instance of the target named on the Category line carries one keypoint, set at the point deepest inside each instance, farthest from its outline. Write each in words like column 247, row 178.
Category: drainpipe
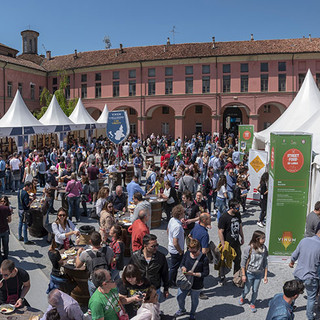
column 141, row 97
column 4, row 88
column 217, row 94
column 292, row 64
column 74, row 84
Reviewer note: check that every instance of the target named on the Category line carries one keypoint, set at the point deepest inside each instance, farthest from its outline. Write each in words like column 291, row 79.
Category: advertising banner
column 289, row 174
column 245, row 137
column 257, row 167
column 118, row 128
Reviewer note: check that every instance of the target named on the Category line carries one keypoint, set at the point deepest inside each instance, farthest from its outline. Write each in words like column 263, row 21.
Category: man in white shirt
column 176, row 242
column 15, row 165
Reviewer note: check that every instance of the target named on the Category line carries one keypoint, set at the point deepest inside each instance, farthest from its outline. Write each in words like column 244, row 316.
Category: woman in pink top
column 73, row 191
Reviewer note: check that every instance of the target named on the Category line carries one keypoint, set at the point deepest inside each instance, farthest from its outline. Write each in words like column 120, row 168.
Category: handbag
column 185, row 282
column 122, row 315
column 237, row 277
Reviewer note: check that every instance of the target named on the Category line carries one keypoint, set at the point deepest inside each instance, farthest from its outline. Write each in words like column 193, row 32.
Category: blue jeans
column 74, row 204
column 311, row 286
column 253, row 281
column 230, row 195
column 24, row 225
column 221, row 206
column 91, row 287
column 15, row 185
column 174, row 266
column 3, row 185
column 4, row 239
column 181, row 297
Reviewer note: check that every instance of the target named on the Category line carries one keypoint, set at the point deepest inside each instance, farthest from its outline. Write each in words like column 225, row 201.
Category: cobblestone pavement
column 222, row 302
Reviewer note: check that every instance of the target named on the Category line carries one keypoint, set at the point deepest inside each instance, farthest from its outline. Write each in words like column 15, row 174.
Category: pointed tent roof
column 104, row 115
column 20, row 120
column 304, row 106
column 312, row 126
column 55, row 116
column 81, row 117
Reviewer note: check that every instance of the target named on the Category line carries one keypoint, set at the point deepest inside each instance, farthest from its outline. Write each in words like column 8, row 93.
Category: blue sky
column 82, row 25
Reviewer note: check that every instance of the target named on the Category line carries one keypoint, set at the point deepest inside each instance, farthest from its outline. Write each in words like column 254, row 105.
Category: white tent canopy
column 18, row 120
column 304, row 107
column 55, row 116
column 81, row 117
column 104, row 115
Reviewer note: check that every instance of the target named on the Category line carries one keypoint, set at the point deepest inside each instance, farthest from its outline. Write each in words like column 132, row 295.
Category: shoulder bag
column 237, row 277
column 185, row 282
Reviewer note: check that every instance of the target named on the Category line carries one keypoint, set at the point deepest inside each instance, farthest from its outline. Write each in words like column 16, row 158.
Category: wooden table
column 37, row 230
column 129, row 173
column 80, row 276
column 22, row 313
column 127, row 244
column 156, row 210
column 64, row 200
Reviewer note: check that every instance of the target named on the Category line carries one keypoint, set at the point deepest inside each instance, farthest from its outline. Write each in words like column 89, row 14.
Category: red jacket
column 138, row 230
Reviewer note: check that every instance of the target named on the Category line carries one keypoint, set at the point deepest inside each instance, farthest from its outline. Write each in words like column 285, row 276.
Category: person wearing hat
column 308, row 255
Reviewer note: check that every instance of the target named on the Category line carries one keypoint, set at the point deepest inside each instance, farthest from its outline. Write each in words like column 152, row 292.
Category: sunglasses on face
column 62, row 215
column 155, row 246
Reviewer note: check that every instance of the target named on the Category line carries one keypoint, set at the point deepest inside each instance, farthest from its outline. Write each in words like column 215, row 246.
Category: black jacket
column 155, row 271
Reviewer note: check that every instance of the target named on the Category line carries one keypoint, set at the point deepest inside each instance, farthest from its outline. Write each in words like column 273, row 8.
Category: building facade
column 175, row 89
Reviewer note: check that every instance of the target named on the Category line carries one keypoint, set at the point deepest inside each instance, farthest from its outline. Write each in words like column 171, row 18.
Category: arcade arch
column 234, row 115
column 133, row 118
column 269, row 113
column 197, row 118
column 160, row 120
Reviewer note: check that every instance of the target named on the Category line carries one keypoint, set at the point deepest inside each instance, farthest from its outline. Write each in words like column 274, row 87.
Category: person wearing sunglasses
column 105, row 302
column 152, row 263
column 14, row 285
column 63, row 229
column 230, row 230
column 107, row 220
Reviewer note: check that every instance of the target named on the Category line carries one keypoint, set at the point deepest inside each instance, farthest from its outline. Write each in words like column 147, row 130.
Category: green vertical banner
column 245, row 137
column 288, row 186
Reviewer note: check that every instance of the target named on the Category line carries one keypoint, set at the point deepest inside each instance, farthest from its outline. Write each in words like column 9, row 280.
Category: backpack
column 98, row 260
column 171, row 161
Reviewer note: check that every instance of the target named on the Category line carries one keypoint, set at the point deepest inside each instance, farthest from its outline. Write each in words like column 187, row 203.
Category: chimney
column 75, row 54
column 251, row 37
column 310, row 37
column 213, row 42
column 121, row 48
column 48, row 55
column 168, row 41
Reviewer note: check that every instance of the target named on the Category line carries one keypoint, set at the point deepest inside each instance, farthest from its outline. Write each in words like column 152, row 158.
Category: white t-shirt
column 175, row 230
column 221, row 191
column 14, row 163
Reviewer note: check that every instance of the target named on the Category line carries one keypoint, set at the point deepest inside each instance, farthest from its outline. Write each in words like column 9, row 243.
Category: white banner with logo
column 257, row 166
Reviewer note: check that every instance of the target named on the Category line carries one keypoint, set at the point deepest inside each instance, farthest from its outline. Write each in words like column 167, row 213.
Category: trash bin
column 85, row 233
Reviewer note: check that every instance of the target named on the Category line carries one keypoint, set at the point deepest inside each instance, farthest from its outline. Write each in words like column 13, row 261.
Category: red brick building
column 171, row 88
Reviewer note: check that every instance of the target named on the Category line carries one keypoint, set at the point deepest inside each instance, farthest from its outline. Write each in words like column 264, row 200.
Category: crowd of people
column 201, row 179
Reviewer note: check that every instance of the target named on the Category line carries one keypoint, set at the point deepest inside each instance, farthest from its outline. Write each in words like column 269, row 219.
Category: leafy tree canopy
column 67, row 106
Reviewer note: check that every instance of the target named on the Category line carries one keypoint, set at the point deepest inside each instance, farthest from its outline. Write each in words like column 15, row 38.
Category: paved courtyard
column 222, row 302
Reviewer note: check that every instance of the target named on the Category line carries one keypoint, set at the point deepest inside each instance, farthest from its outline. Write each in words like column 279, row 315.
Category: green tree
column 67, row 106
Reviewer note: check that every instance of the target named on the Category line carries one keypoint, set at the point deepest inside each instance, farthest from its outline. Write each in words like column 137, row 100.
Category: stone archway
column 133, row 118
column 232, row 116
column 94, row 112
column 197, row 118
column 160, row 120
column 268, row 114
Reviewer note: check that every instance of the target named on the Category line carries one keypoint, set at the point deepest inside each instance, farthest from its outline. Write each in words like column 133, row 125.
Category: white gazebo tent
column 56, row 117
column 304, row 107
column 104, row 115
column 18, row 122
column 82, row 119
column 102, row 122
